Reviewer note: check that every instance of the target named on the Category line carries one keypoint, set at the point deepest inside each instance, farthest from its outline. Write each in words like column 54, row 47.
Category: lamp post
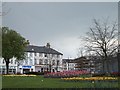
column 49, row 58
column 49, row 61
column 57, row 66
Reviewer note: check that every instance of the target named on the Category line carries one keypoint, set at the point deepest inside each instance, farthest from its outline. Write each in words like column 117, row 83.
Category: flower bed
column 115, row 74
column 89, row 78
column 65, row 74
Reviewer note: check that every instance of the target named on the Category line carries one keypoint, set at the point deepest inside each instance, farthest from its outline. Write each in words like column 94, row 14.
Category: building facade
column 12, row 66
column 68, row 64
column 84, row 63
column 41, row 59
column 94, row 64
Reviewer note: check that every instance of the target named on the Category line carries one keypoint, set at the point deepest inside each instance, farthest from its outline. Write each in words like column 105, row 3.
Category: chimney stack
column 48, row 45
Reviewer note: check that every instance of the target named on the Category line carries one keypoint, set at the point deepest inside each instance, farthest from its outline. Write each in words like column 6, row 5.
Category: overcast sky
column 61, row 24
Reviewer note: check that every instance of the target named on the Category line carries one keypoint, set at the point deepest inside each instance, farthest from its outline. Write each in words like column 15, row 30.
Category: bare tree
column 80, row 52
column 102, row 40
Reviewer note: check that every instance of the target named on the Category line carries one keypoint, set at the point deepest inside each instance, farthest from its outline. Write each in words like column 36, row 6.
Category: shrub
column 35, row 73
column 18, row 73
column 115, row 74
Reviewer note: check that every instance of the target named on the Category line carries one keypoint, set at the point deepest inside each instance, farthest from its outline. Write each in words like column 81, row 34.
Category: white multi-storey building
column 12, row 66
column 41, row 59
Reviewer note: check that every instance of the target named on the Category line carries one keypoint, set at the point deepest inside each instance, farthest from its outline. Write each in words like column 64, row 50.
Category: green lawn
column 40, row 82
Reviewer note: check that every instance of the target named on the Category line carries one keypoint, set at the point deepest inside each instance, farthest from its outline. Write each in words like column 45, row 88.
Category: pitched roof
column 42, row 49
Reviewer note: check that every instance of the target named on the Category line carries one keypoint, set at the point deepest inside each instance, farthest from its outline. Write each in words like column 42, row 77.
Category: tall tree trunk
column 118, row 57
column 103, row 66
column 107, row 65
column 7, row 66
column 106, row 61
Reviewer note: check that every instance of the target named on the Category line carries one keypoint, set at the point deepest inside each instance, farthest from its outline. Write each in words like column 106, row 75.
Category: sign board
column 26, row 66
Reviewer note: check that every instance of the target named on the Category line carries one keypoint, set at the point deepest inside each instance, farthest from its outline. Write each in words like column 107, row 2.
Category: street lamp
column 49, row 58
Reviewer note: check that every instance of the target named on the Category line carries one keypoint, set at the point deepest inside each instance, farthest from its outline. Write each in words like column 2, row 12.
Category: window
column 53, row 62
column 15, row 62
column 58, row 62
column 31, row 62
column 11, row 61
column 3, row 67
column 48, row 55
column 46, row 61
column 26, row 61
column 31, row 54
column 58, row 56
column 35, row 54
column 53, row 55
column 40, row 54
column 3, row 61
column 35, row 61
column 40, row 61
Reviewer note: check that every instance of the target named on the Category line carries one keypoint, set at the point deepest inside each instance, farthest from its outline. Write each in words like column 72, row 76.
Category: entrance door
column 53, row 70
column 47, row 69
column 41, row 69
column 26, row 71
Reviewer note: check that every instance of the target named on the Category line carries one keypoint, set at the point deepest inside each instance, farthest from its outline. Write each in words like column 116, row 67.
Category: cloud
column 67, row 45
column 58, row 23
